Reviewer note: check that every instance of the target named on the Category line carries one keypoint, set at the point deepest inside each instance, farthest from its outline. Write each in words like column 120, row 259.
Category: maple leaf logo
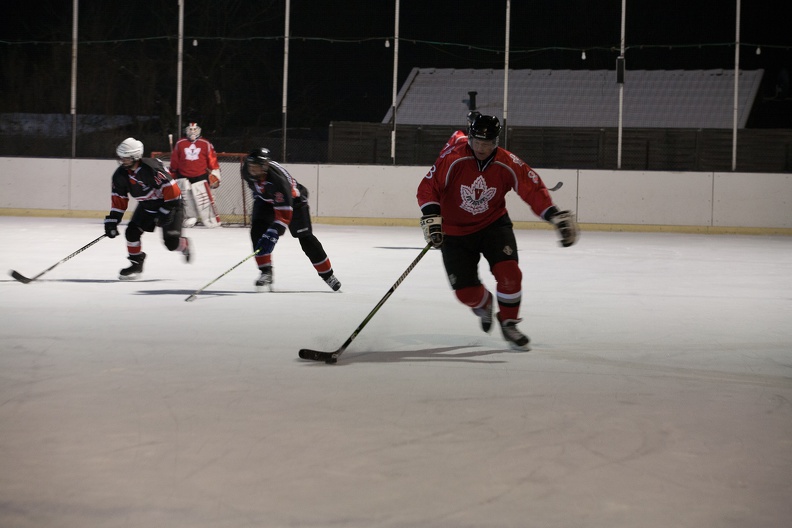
column 476, row 197
column 192, row 153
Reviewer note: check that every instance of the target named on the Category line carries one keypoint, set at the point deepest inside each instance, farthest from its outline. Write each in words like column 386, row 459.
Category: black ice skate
column 331, row 281
column 186, row 250
column 485, row 314
column 517, row 340
column 264, row 281
column 133, row 271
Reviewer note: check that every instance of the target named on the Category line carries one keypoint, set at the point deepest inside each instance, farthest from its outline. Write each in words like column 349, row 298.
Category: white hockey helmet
column 131, row 149
column 192, row 131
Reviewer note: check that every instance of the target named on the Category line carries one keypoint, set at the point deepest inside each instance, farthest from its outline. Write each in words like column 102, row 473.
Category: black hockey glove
column 267, row 242
column 432, row 226
column 111, row 226
column 567, row 227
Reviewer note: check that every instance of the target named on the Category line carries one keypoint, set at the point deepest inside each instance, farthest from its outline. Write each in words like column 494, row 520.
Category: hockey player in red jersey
column 159, row 204
column 280, row 203
column 194, row 161
column 460, row 136
column 463, row 205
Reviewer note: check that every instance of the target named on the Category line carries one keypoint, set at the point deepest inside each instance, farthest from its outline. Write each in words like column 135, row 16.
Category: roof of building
column 579, row 98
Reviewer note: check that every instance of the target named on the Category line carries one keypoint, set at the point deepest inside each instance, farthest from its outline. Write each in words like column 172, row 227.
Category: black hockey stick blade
column 332, row 357
column 21, row 278
column 316, row 355
column 556, row 186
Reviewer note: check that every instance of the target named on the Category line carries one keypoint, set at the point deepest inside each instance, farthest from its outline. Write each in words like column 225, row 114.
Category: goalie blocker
column 199, row 202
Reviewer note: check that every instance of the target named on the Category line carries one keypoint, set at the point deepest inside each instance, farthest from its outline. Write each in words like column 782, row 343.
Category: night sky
column 339, row 67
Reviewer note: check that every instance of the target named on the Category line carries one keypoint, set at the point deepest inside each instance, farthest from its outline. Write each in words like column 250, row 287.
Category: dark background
column 339, row 66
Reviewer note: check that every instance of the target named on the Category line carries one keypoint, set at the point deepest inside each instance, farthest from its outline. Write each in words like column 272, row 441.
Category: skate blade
column 129, row 277
column 517, row 348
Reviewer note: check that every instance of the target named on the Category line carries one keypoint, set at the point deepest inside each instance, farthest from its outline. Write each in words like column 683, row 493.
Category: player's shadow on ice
column 399, row 247
column 444, row 354
column 206, row 294
column 89, row 281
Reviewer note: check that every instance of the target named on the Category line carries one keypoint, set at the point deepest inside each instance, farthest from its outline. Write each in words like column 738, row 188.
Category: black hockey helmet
column 484, row 127
column 259, row 156
column 472, row 115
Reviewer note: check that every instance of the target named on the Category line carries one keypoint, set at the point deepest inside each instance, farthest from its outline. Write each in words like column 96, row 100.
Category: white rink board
column 645, row 198
column 369, row 191
column 373, row 192
column 752, row 200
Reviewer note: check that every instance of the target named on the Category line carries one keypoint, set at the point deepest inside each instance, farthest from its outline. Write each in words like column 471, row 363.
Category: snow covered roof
column 579, row 98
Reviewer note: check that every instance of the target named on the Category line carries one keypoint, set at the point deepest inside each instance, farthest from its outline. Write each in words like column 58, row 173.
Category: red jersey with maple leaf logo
column 193, row 159
column 472, row 194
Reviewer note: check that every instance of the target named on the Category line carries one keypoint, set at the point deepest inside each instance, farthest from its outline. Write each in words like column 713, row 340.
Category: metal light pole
column 736, row 87
column 179, row 68
column 73, row 105
column 284, row 105
column 506, row 77
column 395, row 81
column 620, row 79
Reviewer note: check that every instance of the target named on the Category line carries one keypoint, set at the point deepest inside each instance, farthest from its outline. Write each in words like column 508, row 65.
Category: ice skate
column 517, row 340
column 189, row 222
column 186, row 251
column 133, row 271
column 264, row 282
column 334, row 283
column 485, row 314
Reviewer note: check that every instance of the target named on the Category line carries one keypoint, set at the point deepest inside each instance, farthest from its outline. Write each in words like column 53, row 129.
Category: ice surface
column 658, row 392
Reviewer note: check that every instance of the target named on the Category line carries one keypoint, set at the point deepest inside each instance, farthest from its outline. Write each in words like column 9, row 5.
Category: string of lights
column 386, row 41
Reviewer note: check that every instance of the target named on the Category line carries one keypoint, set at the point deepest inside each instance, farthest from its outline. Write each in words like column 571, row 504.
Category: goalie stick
column 332, row 357
column 24, row 280
column 232, row 268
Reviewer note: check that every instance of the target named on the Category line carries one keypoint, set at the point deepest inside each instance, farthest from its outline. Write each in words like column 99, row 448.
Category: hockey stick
column 197, row 292
column 24, row 280
column 556, row 186
column 332, row 357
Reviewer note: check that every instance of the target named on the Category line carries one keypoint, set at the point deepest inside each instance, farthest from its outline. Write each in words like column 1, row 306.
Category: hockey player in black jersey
column 280, row 203
column 159, row 204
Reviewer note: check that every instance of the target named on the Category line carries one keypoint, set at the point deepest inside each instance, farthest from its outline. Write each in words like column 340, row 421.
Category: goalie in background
column 463, row 202
column 280, row 203
column 196, row 169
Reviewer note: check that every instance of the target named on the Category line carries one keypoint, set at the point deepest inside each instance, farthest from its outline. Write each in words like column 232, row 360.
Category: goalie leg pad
column 205, row 204
column 190, row 211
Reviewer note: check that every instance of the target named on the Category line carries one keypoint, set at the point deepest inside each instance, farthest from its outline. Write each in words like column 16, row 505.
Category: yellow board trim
column 413, row 222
